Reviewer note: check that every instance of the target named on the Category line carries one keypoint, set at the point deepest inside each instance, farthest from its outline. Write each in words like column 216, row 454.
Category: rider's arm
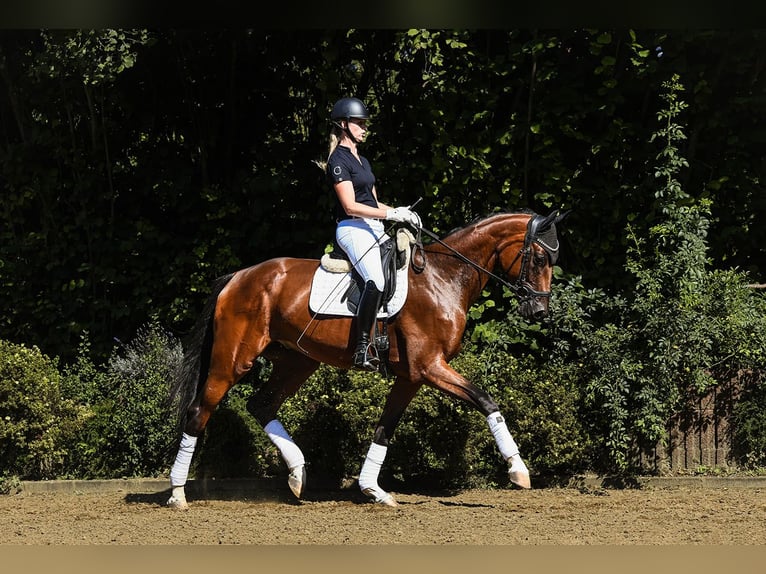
column 347, row 198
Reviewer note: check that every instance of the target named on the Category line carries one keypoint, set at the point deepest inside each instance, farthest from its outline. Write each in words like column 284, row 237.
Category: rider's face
column 358, row 128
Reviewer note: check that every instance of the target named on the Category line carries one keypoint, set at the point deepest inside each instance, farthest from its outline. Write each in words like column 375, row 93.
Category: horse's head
column 536, row 258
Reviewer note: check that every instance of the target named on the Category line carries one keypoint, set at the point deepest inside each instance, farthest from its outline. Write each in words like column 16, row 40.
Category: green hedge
column 37, row 423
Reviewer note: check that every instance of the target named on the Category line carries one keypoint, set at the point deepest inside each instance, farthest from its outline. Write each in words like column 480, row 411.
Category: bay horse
column 263, row 310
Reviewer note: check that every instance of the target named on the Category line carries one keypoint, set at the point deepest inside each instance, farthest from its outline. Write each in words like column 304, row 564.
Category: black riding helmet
column 346, row 108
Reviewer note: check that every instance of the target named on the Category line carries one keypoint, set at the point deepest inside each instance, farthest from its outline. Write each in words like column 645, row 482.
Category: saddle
column 394, row 255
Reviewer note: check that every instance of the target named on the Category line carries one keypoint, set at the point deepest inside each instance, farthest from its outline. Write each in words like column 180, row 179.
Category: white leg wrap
column 517, row 470
column 180, row 471
column 290, row 452
column 368, row 477
column 503, row 438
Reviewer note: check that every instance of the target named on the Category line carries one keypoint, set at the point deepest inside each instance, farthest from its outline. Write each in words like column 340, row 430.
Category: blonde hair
column 334, row 141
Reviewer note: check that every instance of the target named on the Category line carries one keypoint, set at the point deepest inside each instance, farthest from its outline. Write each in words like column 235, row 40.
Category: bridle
column 521, row 287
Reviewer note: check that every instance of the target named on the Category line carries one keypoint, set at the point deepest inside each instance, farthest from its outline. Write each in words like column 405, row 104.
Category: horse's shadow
column 274, row 494
column 255, row 496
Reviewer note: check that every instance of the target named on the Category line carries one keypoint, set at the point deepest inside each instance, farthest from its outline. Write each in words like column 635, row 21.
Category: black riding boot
column 366, row 312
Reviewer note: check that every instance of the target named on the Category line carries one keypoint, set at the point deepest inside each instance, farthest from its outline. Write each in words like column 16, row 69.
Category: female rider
column 359, row 230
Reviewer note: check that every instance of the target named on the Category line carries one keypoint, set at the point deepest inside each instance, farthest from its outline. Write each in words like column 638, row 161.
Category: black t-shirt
column 342, row 165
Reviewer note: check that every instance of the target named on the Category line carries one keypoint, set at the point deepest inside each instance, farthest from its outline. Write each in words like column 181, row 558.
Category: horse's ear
column 561, row 216
column 544, row 224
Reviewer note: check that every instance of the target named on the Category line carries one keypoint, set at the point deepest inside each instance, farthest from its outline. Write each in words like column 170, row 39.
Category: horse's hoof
column 518, row 472
column 177, row 503
column 520, row 478
column 388, row 500
column 296, row 480
column 381, row 497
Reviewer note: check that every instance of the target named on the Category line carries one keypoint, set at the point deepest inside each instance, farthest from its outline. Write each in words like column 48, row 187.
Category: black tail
column 196, row 362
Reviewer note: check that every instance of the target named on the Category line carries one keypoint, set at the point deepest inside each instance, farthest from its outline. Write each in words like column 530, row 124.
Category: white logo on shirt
column 336, row 170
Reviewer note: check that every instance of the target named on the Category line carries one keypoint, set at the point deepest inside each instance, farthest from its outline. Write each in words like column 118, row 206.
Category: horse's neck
column 473, row 244
column 481, row 243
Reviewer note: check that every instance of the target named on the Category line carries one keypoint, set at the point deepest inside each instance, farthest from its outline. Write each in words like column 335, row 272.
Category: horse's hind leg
column 290, row 370
column 230, row 361
column 199, row 413
column 400, row 395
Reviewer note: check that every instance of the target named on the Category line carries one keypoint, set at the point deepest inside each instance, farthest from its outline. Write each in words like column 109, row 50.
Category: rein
column 465, row 259
column 521, row 287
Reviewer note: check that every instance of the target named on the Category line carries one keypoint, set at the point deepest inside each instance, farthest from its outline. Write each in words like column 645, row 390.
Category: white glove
column 403, row 215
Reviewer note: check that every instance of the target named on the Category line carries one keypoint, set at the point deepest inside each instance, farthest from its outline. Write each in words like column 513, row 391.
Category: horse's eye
column 540, row 260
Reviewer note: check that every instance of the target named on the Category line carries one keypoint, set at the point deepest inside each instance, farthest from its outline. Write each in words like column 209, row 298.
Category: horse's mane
column 479, row 218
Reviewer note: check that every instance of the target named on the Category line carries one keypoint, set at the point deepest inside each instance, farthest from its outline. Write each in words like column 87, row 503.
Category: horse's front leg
column 400, row 395
column 518, row 473
column 443, row 377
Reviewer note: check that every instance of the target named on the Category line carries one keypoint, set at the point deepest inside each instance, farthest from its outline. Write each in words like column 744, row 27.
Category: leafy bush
column 83, row 381
column 747, row 346
column 749, row 425
column 681, row 328
column 36, row 422
column 131, row 429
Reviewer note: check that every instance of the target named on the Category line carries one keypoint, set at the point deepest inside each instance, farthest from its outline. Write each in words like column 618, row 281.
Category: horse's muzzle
column 534, row 308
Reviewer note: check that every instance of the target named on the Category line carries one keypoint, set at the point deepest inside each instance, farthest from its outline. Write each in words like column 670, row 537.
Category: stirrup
column 365, row 360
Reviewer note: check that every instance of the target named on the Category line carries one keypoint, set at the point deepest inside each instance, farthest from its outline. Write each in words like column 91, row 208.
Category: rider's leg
column 367, row 311
column 360, row 239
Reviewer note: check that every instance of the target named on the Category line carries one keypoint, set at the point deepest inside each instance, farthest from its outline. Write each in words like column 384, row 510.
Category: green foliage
column 122, row 202
column 9, row 484
column 745, row 325
column 640, row 367
column 131, row 428
column 683, row 326
column 37, row 423
column 83, row 381
column 96, row 56
column 749, row 424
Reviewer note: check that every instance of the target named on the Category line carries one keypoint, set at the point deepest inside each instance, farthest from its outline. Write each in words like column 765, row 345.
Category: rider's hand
column 404, row 215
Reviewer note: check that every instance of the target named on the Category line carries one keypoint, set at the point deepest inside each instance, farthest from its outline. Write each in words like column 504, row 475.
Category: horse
column 263, row 310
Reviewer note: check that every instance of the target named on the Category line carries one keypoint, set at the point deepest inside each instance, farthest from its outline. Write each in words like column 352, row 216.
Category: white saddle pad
column 328, row 287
